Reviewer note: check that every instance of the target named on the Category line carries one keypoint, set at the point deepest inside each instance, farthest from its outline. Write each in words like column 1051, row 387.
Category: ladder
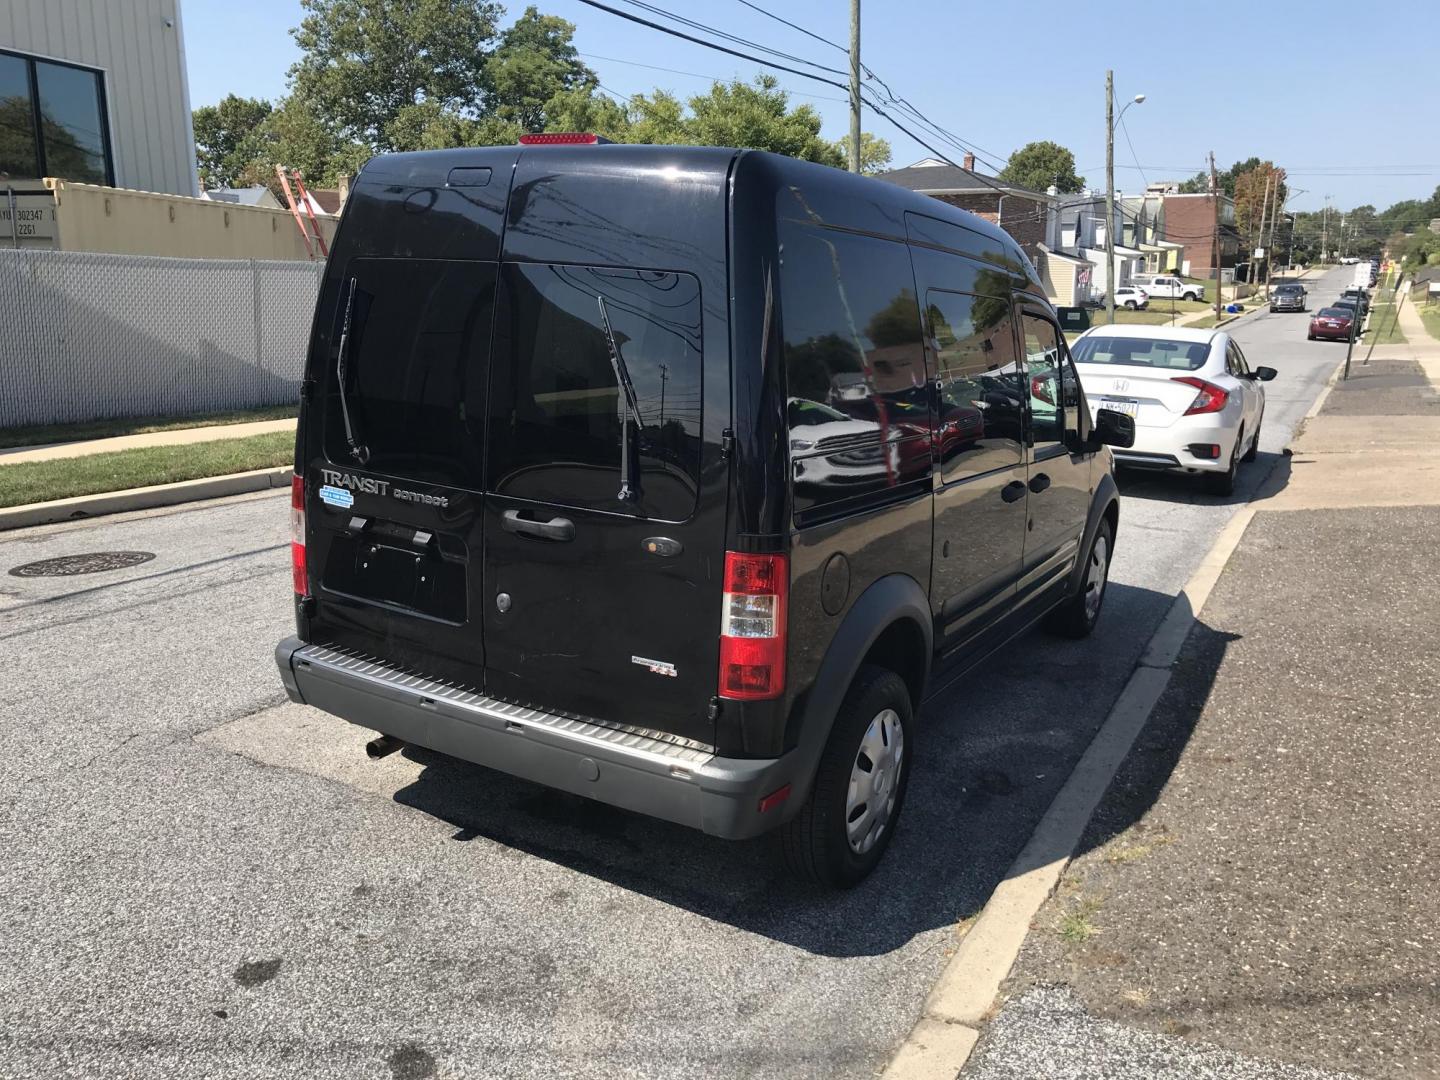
column 311, row 234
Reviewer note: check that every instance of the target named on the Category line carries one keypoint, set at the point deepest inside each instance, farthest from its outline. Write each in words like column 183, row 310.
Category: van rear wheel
column 844, row 827
column 1077, row 616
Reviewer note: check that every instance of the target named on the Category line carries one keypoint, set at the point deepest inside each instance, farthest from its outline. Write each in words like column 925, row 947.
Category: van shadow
column 1257, row 480
column 990, row 756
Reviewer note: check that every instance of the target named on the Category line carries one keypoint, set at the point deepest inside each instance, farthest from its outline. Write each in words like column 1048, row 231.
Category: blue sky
column 1349, row 105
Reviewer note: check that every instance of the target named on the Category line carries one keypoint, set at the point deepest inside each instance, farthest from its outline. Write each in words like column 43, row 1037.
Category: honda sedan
column 1197, row 403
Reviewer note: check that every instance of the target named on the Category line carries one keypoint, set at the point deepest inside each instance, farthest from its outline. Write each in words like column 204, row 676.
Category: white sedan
column 1197, row 403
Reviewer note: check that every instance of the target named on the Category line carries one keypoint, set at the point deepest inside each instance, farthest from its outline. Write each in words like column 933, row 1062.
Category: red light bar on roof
column 567, row 138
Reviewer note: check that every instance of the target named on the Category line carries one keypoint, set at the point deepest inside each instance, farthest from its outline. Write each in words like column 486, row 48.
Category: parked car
column 1332, row 323
column 595, row 489
column 1287, row 297
column 1197, row 403
column 1131, row 298
column 1360, row 296
column 1167, row 286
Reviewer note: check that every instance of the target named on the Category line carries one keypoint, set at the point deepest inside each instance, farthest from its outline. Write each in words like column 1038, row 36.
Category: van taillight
column 752, row 626
column 297, row 536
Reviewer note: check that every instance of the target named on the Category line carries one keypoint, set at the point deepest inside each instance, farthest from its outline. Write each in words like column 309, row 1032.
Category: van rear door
column 393, row 430
column 606, row 491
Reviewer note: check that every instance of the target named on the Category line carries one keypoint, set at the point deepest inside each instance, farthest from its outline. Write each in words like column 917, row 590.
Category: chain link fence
column 84, row 336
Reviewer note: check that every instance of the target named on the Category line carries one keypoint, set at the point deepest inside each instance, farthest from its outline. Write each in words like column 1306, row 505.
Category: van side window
column 858, row 400
column 419, row 341
column 556, row 419
column 1043, row 377
column 977, row 370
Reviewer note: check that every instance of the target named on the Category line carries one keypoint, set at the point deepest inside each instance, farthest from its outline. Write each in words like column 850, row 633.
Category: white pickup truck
column 1165, row 286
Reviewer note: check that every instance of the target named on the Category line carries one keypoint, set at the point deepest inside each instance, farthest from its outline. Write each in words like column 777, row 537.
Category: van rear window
column 558, row 415
column 418, row 344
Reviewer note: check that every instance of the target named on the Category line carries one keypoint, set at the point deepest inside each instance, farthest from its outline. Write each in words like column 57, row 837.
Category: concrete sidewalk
column 177, row 437
column 1256, row 895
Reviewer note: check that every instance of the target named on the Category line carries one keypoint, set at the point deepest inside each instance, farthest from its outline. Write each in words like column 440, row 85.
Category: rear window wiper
column 629, row 413
column 358, row 450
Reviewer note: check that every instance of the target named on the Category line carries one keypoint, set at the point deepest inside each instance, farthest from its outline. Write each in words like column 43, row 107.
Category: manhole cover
column 93, row 563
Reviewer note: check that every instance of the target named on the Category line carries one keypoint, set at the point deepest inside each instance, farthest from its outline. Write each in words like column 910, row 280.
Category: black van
column 680, row 477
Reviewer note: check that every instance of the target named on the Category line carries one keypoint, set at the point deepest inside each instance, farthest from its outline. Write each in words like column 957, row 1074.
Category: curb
column 144, row 498
column 940, row 1043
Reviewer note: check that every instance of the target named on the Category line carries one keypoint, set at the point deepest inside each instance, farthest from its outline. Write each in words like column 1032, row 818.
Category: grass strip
column 1430, row 316
column 46, row 434
column 1384, row 328
column 65, row 478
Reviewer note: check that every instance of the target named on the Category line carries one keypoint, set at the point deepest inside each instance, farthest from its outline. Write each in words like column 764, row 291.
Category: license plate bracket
column 1129, row 406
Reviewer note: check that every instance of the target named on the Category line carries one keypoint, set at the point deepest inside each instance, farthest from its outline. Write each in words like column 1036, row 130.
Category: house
column 1024, row 214
column 259, row 195
column 1190, row 222
column 1082, row 232
column 1143, row 226
column 95, row 92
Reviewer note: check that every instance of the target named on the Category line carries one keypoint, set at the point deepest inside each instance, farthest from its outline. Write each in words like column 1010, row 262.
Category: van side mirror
column 1265, row 374
column 1114, row 429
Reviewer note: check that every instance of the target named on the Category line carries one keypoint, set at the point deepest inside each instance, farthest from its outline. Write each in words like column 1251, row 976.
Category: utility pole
column 1260, row 233
column 1325, row 230
column 855, row 86
column 1270, row 247
column 1215, row 197
column 1110, row 197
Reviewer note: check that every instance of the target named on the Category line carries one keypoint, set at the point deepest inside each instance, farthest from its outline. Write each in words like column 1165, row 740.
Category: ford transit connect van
column 679, row 478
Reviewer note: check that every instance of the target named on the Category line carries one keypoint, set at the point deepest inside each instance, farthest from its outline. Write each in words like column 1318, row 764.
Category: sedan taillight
column 1209, row 397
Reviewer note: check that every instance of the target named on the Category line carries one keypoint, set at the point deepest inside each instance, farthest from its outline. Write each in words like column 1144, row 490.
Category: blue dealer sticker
column 334, row 496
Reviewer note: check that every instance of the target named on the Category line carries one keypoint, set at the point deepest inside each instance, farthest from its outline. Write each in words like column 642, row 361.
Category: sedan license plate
column 1120, row 405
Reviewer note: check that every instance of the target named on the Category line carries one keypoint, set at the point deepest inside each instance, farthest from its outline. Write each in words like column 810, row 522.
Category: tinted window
column 417, row 345
column 1141, row 352
column 852, row 345
column 71, row 124
column 17, row 119
column 558, row 411
column 981, row 384
column 1042, row 370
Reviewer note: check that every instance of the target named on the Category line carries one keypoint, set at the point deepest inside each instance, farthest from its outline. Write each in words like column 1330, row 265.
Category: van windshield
column 1141, row 352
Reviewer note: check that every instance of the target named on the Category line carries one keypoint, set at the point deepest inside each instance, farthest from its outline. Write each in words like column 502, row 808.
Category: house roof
column 942, row 179
column 1050, row 254
column 258, row 195
column 327, row 200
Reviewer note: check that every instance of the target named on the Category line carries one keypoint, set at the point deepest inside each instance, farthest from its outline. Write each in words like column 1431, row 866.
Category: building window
column 52, row 121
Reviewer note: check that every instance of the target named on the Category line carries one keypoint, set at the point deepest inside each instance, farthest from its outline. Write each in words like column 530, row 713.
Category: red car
column 1331, row 323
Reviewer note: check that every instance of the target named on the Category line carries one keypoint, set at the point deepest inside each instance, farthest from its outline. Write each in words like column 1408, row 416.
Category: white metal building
column 95, row 91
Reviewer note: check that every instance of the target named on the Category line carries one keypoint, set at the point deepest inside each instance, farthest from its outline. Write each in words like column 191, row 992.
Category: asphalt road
column 203, row 880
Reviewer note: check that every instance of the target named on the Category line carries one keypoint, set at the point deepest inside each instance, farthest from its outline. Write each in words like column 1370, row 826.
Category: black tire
column 1254, row 451
column 815, row 842
column 1077, row 616
column 1223, row 483
column 1190, row 296
column 1310, row 336
column 1129, row 305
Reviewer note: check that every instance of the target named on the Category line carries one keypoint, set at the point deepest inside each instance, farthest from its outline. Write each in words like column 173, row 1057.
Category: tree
column 366, row 61
column 227, row 137
column 1037, row 165
column 294, row 135
column 758, row 115
column 874, row 153
column 1256, row 191
column 1199, row 184
column 534, row 63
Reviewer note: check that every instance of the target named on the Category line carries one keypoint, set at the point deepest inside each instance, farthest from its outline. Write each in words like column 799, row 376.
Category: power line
column 701, row 75
column 724, row 35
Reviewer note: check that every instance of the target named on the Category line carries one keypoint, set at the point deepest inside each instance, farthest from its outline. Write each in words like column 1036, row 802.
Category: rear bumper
column 628, row 767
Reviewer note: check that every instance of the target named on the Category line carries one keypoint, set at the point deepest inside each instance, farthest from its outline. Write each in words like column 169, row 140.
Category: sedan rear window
column 1141, row 352
column 1334, row 313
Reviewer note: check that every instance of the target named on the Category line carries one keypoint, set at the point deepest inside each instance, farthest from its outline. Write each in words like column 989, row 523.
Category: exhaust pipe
column 384, row 746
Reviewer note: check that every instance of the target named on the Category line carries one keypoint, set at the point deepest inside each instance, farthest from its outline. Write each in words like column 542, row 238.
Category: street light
column 1111, row 120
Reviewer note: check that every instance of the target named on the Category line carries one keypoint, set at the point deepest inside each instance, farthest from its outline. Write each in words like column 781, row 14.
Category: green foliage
column 365, row 61
column 874, row 153
column 1037, row 165
column 1199, row 184
column 534, row 63
column 226, row 137
column 757, row 115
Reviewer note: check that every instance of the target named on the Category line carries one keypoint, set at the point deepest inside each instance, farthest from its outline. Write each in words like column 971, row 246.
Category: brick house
column 1190, row 221
column 1026, row 215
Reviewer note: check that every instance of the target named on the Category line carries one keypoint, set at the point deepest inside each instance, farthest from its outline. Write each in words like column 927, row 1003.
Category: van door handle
column 1039, row 482
column 1013, row 491
column 557, row 528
